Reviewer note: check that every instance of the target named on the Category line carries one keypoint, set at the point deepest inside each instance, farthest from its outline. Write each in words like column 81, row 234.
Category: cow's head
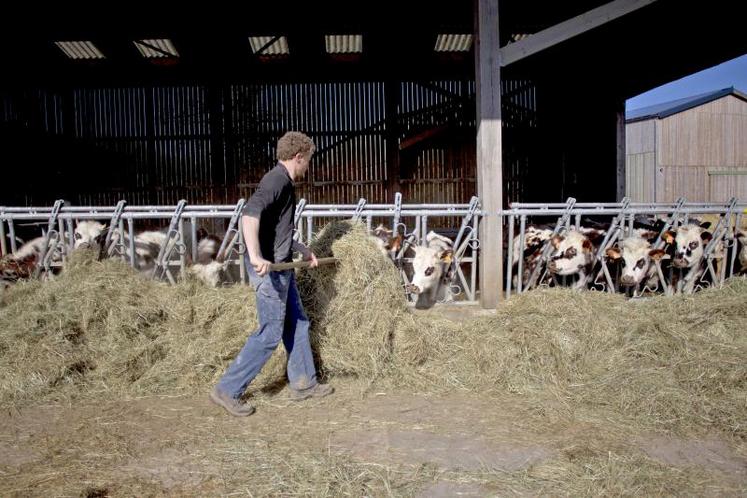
column 386, row 241
column 572, row 253
column 88, row 234
column 635, row 256
column 689, row 242
column 429, row 265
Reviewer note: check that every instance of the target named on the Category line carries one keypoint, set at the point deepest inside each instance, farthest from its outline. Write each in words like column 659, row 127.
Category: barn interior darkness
column 397, row 116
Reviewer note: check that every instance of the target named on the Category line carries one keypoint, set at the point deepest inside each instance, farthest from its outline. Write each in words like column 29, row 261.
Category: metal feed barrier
column 619, row 220
column 460, row 222
column 411, row 220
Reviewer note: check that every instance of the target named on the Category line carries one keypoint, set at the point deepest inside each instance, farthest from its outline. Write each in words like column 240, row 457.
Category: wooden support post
column 391, row 103
column 489, row 149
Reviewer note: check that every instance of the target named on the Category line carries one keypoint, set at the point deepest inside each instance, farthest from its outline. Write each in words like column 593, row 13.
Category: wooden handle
column 300, row 264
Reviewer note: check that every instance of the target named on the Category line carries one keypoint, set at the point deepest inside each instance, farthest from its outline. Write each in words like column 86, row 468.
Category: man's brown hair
column 292, row 143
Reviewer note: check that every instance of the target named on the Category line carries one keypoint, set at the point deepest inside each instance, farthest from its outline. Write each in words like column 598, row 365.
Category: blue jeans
column 281, row 316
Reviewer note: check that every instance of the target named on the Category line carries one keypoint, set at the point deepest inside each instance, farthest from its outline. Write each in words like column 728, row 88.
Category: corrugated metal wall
column 212, row 144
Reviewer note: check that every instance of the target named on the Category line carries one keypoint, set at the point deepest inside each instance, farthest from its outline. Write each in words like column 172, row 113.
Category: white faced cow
column 88, row 234
column 636, row 256
column 430, row 264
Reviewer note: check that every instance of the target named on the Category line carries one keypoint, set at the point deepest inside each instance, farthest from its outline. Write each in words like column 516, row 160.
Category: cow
column 388, row 243
column 431, row 263
column 21, row 264
column 573, row 254
column 148, row 245
column 636, row 255
column 689, row 242
column 534, row 240
column 88, row 234
column 741, row 236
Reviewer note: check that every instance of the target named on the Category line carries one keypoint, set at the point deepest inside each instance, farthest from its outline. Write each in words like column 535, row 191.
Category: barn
column 694, row 147
column 438, row 101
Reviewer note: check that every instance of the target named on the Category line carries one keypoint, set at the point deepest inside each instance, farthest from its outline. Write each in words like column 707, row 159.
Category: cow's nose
column 412, row 288
column 552, row 266
column 626, row 280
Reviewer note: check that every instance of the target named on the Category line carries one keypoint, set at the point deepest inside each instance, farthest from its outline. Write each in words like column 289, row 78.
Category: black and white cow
column 689, row 242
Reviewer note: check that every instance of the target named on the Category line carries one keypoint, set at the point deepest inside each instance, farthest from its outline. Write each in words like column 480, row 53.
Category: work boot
column 317, row 391
column 232, row 405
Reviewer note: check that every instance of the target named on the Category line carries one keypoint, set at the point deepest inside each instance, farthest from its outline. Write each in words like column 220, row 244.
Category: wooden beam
column 621, row 152
column 391, row 133
column 423, row 135
column 489, row 150
column 568, row 29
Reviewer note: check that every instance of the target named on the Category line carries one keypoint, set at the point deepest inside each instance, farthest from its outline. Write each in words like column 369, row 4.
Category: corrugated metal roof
column 80, row 49
column 343, row 44
column 278, row 47
column 156, row 48
column 666, row 109
column 453, row 43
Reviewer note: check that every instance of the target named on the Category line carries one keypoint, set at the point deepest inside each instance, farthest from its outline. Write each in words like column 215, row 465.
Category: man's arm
column 250, row 230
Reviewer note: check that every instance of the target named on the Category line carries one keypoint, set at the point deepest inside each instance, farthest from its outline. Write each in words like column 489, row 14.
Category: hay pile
column 667, row 364
column 100, row 329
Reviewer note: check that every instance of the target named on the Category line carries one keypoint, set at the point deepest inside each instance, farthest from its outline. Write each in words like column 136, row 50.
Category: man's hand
column 261, row 265
column 310, row 256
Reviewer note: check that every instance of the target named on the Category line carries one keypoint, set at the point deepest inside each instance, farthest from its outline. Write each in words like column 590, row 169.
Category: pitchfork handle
column 300, row 264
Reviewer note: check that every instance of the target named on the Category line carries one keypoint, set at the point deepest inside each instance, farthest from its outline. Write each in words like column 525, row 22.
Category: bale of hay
column 354, row 306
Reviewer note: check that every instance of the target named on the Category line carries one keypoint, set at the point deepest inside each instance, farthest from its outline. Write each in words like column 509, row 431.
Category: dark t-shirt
column 274, row 204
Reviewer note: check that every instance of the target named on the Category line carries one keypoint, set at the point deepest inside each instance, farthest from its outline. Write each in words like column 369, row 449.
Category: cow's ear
column 706, row 236
column 446, row 255
column 705, row 225
column 613, row 253
column 201, row 233
column 669, row 236
column 586, row 245
column 658, row 254
column 556, row 240
column 596, row 235
column 648, row 234
column 396, row 243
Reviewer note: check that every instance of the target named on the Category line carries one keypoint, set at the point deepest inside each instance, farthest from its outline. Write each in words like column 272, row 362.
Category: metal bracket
column 51, row 238
column 173, row 241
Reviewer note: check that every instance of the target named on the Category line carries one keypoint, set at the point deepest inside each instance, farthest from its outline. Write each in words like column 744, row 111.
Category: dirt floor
column 364, row 440
column 357, row 442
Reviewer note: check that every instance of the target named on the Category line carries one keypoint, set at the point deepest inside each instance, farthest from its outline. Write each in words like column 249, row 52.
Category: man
column 267, row 225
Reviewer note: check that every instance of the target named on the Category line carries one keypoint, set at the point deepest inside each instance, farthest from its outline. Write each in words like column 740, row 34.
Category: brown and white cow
column 573, row 255
column 431, row 277
column 388, row 243
column 636, row 256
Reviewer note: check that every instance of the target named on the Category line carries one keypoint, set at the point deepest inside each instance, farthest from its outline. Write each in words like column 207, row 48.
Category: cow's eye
column 622, row 262
column 641, row 263
column 693, row 244
column 78, row 236
column 570, row 252
column 429, row 271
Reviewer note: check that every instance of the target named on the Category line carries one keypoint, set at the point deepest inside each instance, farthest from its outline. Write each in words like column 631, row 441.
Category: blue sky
column 730, row 73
